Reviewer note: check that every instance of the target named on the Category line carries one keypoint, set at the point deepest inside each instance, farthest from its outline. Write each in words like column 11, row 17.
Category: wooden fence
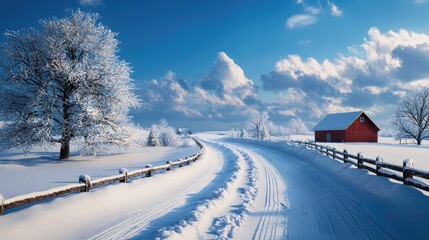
column 85, row 183
column 404, row 173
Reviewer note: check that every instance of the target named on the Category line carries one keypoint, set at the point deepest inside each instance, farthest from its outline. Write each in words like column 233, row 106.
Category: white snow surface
column 240, row 189
column 388, row 148
column 22, row 173
column 337, row 121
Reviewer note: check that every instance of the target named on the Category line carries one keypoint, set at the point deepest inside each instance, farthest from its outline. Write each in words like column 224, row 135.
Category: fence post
column 124, row 171
column 1, row 205
column 149, row 173
column 345, row 155
column 181, row 162
column 327, row 150
column 378, row 160
column 359, row 160
column 188, row 162
column 87, row 180
column 169, row 165
column 334, row 154
column 407, row 173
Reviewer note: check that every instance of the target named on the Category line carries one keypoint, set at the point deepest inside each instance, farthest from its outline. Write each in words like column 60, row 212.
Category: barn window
column 362, row 119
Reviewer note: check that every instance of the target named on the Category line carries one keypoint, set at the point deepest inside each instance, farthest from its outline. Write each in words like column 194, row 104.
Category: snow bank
column 204, row 215
column 409, row 204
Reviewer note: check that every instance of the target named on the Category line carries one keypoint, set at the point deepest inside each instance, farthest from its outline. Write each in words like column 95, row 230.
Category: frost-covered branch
column 65, row 82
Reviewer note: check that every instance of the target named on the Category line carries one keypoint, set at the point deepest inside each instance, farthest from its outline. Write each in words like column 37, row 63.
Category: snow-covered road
column 238, row 189
column 314, row 207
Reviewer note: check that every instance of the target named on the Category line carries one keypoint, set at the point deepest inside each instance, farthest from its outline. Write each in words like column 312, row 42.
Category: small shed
column 346, row 127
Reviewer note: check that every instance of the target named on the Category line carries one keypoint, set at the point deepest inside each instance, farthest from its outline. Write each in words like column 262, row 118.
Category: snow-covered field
column 388, row 148
column 24, row 173
column 242, row 189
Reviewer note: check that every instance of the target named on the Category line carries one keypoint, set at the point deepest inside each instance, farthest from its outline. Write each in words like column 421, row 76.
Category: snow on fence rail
column 377, row 166
column 85, row 183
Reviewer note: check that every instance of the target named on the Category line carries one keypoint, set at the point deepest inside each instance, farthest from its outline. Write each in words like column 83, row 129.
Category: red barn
column 346, row 127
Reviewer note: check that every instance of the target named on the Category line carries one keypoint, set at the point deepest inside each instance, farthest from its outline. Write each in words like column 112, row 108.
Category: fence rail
column 85, row 183
column 404, row 173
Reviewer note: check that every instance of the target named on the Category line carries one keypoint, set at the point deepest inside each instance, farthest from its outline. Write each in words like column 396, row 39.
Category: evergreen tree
column 152, row 139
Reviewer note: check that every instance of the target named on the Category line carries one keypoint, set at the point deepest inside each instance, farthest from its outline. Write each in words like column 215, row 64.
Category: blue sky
column 205, row 64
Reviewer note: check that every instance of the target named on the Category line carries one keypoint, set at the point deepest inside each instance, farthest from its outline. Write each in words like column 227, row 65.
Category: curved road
column 315, row 207
column 238, row 190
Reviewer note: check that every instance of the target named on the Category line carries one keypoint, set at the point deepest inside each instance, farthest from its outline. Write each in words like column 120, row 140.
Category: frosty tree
column 265, row 134
column 257, row 121
column 166, row 134
column 412, row 116
column 243, row 133
column 152, row 139
column 64, row 82
column 297, row 126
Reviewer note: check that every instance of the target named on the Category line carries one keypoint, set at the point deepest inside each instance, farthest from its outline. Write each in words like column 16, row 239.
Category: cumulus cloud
column 224, row 94
column 371, row 77
column 227, row 84
column 390, row 64
column 92, row 3
column 167, row 95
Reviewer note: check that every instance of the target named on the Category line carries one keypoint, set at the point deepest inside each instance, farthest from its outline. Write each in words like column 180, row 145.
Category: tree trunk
column 65, row 150
column 419, row 142
column 66, row 128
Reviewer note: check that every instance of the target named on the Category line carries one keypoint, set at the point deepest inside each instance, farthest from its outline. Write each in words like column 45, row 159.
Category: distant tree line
column 259, row 126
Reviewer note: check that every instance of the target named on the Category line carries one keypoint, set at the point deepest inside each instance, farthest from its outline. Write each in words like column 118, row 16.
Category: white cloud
column 335, row 11
column 312, row 10
column 304, row 42
column 90, row 2
column 374, row 90
column 299, row 20
column 167, row 95
column 310, row 13
column 418, row 2
column 353, row 49
column 386, row 65
column 228, row 83
column 291, row 96
column 225, row 93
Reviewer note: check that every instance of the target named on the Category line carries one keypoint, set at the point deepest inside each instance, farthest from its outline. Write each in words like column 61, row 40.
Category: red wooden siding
column 358, row 131
column 362, row 131
column 336, row 136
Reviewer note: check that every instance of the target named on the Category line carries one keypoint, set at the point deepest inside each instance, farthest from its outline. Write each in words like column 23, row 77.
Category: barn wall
column 362, row 132
column 336, row 136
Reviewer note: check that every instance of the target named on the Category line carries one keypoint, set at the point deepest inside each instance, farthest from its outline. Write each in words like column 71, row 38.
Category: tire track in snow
column 334, row 210
column 138, row 221
column 267, row 219
column 221, row 215
column 227, row 226
column 318, row 207
column 272, row 223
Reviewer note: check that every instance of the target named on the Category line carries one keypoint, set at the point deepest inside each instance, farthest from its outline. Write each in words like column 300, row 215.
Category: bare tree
column 257, row 121
column 412, row 116
column 64, row 82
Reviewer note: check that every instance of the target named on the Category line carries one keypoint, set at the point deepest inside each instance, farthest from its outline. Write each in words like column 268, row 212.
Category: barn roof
column 338, row 121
